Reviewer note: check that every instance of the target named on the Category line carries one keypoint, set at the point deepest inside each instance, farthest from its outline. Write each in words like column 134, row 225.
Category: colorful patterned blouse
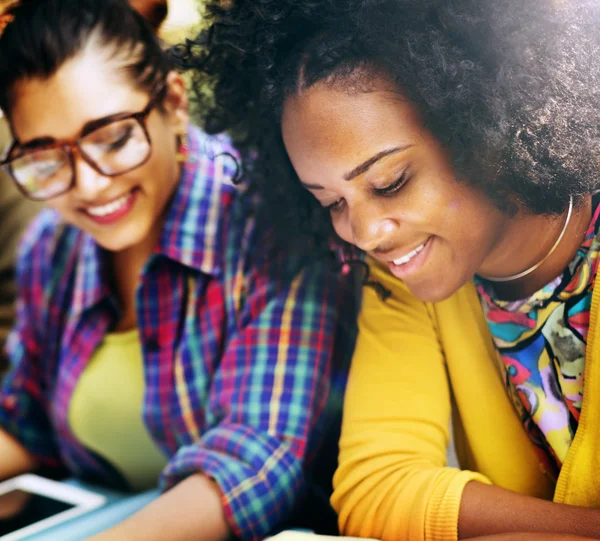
column 238, row 357
column 542, row 343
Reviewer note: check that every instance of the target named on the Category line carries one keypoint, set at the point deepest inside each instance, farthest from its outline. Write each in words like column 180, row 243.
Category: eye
column 47, row 168
column 110, row 138
column 120, row 140
column 336, row 205
column 395, row 186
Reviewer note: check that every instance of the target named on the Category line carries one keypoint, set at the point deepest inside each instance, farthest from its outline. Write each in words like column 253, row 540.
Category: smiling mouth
column 406, row 258
column 101, row 211
column 113, row 211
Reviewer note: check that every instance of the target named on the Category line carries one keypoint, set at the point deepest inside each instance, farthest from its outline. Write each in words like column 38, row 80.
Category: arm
column 392, row 482
column 27, row 439
column 492, row 510
column 15, row 213
column 247, row 471
column 15, row 458
column 531, row 537
column 177, row 516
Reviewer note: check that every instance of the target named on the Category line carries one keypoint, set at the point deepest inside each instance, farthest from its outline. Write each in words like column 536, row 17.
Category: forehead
column 84, row 88
column 325, row 126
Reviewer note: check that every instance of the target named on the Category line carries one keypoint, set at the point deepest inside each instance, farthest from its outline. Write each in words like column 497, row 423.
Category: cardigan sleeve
column 392, row 481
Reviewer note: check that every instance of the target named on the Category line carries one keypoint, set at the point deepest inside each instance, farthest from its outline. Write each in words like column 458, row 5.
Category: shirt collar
column 192, row 234
column 91, row 281
column 193, row 231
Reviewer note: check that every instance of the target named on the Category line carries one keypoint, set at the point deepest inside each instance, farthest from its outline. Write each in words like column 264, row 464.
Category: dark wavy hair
column 44, row 34
column 510, row 87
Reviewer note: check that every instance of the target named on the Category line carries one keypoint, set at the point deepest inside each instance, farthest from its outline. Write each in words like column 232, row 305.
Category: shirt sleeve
column 270, row 394
column 24, row 400
column 15, row 213
column 392, row 481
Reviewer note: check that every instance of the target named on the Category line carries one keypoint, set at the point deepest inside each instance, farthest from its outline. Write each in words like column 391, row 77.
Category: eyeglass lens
column 112, row 149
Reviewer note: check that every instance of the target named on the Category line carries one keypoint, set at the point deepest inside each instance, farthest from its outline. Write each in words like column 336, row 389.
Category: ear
column 176, row 102
column 154, row 11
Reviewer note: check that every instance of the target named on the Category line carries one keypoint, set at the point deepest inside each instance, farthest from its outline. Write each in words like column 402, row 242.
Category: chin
column 133, row 231
column 118, row 242
column 113, row 245
column 434, row 291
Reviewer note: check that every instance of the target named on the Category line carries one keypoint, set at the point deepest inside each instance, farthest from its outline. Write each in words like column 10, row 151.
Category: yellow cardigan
column 416, row 364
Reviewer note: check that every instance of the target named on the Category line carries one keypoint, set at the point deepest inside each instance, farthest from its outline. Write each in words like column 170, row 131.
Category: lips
column 411, row 262
column 399, row 257
column 112, row 211
column 406, row 258
column 109, row 208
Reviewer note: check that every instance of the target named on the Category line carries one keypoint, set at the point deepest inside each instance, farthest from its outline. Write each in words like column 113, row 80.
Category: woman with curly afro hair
column 457, row 143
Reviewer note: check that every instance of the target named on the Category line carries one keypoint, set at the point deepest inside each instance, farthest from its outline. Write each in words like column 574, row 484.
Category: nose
column 369, row 227
column 89, row 183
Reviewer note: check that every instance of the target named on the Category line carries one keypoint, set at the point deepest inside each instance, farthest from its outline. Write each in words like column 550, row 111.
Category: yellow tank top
column 105, row 413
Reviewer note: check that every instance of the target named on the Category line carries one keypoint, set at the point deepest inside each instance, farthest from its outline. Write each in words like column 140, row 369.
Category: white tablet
column 30, row 504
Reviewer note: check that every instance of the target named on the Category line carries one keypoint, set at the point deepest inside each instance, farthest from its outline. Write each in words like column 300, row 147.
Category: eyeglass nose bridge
column 73, row 150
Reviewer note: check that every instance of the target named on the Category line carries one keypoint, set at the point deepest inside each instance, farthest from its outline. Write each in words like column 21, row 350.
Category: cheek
column 451, row 206
column 62, row 205
column 161, row 172
column 164, row 140
column 160, row 165
column 471, row 226
column 457, row 217
column 342, row 227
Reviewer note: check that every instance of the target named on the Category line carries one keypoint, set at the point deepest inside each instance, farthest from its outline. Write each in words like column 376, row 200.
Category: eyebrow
column 37, row 142
column 367, row 164
column 88, row 127
column 363, row 167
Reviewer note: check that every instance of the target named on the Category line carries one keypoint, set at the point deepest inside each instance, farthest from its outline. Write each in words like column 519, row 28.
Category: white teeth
column 109, row 208
column 409, row 256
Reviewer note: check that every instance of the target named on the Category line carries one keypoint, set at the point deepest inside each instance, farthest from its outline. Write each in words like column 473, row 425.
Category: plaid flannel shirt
column 238, row 357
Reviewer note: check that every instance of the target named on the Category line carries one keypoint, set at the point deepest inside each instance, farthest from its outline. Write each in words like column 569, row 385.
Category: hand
column 12, row 503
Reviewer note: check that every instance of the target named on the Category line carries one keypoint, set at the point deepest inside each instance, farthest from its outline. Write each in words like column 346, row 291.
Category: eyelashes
column 388, row 190
column 335, row 205
column 395, row 186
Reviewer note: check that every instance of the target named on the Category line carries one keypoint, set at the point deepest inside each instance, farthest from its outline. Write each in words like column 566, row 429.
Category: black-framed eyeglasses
column 112, row 146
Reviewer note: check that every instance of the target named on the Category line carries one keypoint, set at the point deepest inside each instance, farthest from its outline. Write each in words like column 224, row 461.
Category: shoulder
column 217, row 161
column 216, row 190
column 247, row 249
column 220, row 191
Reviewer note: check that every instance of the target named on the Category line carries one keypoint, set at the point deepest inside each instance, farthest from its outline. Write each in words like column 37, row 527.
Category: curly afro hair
column 510, row 87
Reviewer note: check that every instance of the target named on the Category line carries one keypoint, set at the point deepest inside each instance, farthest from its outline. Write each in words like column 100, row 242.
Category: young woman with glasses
column 457, row 143
column 156, row 342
